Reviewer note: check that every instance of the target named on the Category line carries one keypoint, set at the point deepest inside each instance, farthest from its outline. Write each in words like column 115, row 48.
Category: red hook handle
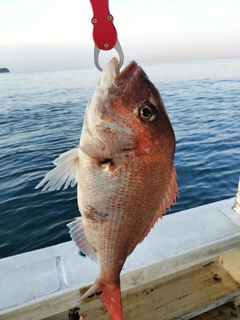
column 104, row 32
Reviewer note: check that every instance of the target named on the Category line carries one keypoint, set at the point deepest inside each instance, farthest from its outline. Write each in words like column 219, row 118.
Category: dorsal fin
column 168, row 200
column 65, row 173
column 78, row 236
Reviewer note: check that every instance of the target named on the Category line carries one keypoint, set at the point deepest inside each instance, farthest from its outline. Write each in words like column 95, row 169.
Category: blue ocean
column 41, row 115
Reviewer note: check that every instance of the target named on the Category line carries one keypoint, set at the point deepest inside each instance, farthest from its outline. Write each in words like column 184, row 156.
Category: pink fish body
column 125, row 174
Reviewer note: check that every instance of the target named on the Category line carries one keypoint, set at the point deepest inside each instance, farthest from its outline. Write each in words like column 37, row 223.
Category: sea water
column 41, row 115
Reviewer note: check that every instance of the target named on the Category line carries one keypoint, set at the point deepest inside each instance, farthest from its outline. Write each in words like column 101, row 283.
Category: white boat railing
column 188, row 264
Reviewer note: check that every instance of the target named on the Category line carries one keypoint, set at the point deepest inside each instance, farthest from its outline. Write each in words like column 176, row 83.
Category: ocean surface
column 41, row 116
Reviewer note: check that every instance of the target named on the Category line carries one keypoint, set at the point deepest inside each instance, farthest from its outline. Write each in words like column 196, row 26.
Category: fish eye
column 147, row 111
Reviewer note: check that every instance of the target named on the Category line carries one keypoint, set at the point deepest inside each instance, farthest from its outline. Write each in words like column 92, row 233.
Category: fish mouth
column 116, row 81
column 122, row 78
column 112, row 76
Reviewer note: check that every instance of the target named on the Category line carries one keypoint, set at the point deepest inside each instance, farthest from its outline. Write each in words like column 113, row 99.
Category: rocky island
column 4, row 70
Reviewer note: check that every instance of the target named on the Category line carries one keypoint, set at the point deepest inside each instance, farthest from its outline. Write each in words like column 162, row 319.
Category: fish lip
column 113, row 78
column 119, row 79
column 109, row 73
column 122, row 78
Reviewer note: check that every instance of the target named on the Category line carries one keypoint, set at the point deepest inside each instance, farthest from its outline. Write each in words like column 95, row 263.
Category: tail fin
column 110, row 296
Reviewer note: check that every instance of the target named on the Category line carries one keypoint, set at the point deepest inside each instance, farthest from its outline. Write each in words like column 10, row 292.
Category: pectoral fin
column 65, row 173
column 100, row 151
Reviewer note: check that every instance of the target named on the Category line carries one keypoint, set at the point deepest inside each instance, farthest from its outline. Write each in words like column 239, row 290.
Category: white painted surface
column 24, row 284
column 48, row 280
column 236, row 206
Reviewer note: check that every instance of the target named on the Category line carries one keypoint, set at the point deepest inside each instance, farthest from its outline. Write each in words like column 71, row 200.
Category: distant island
column 4, row 70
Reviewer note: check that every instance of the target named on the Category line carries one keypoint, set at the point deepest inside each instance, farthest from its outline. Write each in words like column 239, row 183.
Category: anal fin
column 78, row 236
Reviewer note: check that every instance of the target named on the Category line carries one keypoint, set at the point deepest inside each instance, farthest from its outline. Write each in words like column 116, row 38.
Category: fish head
column 133, row 112
column 129, row 109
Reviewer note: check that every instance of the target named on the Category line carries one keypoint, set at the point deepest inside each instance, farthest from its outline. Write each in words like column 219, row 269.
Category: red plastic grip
column 104, row 32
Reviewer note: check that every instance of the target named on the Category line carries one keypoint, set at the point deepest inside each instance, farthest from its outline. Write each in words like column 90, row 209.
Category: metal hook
column 117, row 47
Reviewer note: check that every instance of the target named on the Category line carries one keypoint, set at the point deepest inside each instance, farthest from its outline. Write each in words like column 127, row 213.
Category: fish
column 124, row 171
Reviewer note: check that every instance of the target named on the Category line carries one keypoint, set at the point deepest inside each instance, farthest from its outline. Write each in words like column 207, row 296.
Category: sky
column 38, row 35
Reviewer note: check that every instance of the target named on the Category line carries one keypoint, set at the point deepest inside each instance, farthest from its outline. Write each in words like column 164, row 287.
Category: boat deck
column 230, row 310
column 188, row 265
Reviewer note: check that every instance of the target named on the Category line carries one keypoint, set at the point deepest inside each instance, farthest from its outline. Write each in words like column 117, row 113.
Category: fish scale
column 124, row 172
column 121, row 223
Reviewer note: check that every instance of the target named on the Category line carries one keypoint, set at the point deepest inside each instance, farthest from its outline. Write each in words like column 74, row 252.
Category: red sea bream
column 124, row 172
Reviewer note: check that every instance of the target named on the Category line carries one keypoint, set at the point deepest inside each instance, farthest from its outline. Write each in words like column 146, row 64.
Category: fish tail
column 110, row 296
